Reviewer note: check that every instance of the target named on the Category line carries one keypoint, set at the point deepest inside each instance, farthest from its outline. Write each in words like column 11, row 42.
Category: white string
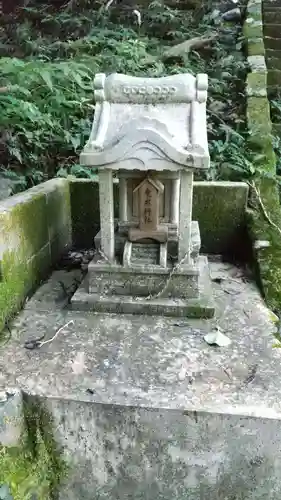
column 71, row 322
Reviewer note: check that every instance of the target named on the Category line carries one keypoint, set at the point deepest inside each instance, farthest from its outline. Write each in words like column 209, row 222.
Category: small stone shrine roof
column 149, row 123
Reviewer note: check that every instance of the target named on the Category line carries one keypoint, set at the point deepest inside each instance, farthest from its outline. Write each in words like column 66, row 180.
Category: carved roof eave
column 141, row 141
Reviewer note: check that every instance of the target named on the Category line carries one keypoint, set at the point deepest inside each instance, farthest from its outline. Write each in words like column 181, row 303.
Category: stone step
column 180, row 298
column 271, row 6
column 272, row 17
column 272, row 31
column 273, row 53
column 273, row 63
column 273, row 77
column 190, row 308
column 143, row 282
column 272, row 43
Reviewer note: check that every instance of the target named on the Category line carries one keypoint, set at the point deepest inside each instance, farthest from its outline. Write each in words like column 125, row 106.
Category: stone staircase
column 272, row 40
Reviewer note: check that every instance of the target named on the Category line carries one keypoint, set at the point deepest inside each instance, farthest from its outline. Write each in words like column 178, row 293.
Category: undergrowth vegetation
column 49, row 59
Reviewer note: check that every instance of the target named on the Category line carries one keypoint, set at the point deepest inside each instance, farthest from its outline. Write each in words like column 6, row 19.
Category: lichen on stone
column 256, row 82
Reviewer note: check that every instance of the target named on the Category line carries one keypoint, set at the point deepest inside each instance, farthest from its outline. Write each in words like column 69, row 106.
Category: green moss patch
column 35, row 227
column 24, row 475
column 256, row 84
column 253, row 29
column 274, row 77
column 269, row 258
column 258, row 119
column 34, row 467
column 266, row 206
column 23, row 234
column 256, row 47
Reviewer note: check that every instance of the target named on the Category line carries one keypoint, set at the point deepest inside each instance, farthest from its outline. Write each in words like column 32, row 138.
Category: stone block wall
column 35, row 227
column 272, row 40
column 262, row 36
column 258, row 109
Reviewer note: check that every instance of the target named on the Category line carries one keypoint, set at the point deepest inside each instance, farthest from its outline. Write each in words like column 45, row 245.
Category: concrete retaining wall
column 132, row 452
column 35, row 228
column 219, row 207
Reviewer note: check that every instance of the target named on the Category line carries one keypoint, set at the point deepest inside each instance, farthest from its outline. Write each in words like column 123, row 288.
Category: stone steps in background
column 271, row 53
column 273, row 78
column 272, row 40
column 272, row 30
column 272, row 43
column 274, row 63
column 271, row 6
column 272, row 17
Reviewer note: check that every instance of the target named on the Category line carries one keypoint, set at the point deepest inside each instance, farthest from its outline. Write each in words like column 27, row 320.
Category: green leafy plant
column 49, row 61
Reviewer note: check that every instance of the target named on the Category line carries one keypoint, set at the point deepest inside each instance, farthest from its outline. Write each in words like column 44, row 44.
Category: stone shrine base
column 145, row 279
column 115, row 289
column 143, row 407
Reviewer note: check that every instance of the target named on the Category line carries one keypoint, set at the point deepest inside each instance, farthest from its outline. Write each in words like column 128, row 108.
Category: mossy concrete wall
column 265, row 213
column 35, row 227
column 219, row 207
column 31, row 466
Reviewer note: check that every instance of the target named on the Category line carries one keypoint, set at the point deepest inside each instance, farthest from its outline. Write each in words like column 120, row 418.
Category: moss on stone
column 268, row 259
column 256, row 47
column 260, row 139
column 219, row 208
column 23, row 474
column 256, row 83
column 253, row 29
column 35, row 466
column 254, row 11
column 35, row 228
column 274, row 77
column 259, row 125
column 13, row 287
column 24, row 233
column 24, row 221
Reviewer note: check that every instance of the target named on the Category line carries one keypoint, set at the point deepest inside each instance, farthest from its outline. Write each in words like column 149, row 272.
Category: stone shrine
column 151, row 133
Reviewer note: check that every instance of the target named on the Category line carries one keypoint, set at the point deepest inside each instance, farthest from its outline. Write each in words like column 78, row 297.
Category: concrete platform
column 144, row 408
